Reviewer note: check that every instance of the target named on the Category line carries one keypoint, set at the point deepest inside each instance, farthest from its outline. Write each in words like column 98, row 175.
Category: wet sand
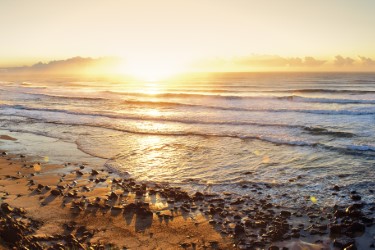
column 75, row 206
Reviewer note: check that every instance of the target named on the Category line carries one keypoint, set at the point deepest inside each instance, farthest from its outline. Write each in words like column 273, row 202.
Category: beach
column 60, row 207
column 76, row 206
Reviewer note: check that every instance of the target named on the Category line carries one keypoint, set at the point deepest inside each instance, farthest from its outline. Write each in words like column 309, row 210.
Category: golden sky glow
column 173, row 34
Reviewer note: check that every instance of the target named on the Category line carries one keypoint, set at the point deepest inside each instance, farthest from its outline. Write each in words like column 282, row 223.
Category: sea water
column 296, row 133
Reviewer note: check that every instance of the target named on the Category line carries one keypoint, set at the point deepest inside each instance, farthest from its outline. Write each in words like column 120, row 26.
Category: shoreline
column 79, row 206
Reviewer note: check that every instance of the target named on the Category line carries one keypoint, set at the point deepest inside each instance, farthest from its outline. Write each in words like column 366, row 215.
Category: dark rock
column 260, row 224
column 117, row 208
column 78, row 172
column 239, row 229
column 339, row 213
column 139, row 193
column 367, row 220
column 238, row 201
column 273, row 248
column 336, row 229
column 285, row 213
column 356, row 197
column 198, row 196
column 356, row 227
column 351, row 247
column 55, row 192
column 336, row 188
column 6, row 208
column 113, row 196
column 343, row 242
column 94, row 172
column 129, row 207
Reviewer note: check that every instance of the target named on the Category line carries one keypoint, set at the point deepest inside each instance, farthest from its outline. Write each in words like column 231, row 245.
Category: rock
column 356, row 227
column 55, row 192
column 285, row 213
column 6, row 208
column 336, row 229
column 351, row 247
column 339, row 213
column 113, row 196
column 139, row 193
column 336, row 188
column 367, row 220
column 343, row 242
column 78, row 172
column 356, row 197
column 239, row 229
column 94, row 172
column 212, row 221
column 198, row 196
column 260, row 224
column 11, row 234
column 129, row 207
column 72, row 194
column 273, row 248
column 117, row 208
column 238, row 201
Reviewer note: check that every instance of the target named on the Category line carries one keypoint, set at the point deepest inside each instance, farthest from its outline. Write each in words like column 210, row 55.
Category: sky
column 171, row 33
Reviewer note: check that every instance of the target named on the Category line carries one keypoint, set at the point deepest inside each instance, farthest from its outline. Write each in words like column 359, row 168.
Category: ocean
column 296, row 135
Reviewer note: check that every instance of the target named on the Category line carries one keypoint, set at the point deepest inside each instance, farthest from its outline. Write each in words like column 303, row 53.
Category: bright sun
column 151, row 71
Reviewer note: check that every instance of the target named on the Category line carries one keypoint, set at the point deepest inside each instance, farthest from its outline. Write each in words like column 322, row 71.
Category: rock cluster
column 252, row 221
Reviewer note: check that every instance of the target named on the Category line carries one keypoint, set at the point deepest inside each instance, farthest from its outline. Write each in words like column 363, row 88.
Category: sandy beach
column 47, row 202
column 46, row 206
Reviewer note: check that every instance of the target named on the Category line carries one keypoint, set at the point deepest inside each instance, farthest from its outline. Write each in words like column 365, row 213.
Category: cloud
column 278, row 61
column 75, row 65
column 367, row 61
column 261, row 61
column 343, row 61
column 312, row 62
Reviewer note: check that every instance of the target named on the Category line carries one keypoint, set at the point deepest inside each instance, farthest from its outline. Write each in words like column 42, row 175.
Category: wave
column 361, row 148
column 55, row 96
column 316, row 90
column 184, row 95
column 323, row 131
column 310, row 129
column 364, row 111
column 295, row 98
column 354, row 150
column 234, row 97
column 287, row 98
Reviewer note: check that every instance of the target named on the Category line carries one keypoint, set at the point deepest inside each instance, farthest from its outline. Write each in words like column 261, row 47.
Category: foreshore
column 76, row 206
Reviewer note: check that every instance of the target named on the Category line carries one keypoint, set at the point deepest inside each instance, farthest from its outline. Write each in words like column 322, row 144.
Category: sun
column 150, row 70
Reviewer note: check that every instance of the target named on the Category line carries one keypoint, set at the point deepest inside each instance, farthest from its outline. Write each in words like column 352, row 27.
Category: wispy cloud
column 278, row 61
column 367, row 61
column 343, row 61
